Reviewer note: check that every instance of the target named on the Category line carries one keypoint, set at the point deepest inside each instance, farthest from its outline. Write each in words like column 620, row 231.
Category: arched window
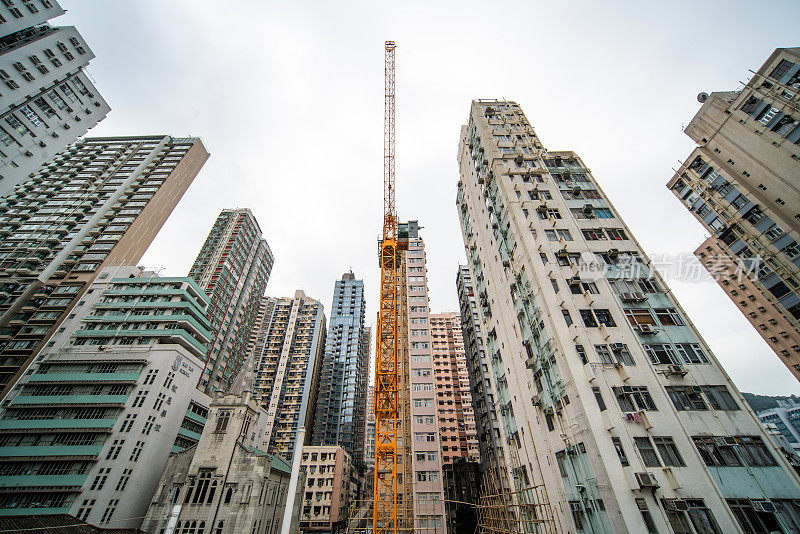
column 220, row 526
column 222, row 422
column 228, row 496
column 212, row 492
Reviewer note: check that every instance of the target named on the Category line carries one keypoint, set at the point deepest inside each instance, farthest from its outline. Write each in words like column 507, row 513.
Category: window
column 660, row 353
column 564, row 234
column 648, row 452
column 717, row 452
column 599, row 316
column 637, row 316
column 691, row 353
column 623, row 459
column 686, row 398
column 222, row 422
column 751, row 520
column 701, row 518
column 617, row 234
column 668, row 317
column 670, row 456
column 634, row 398
column 599, row 397
column 567, row 317
column 720, row 398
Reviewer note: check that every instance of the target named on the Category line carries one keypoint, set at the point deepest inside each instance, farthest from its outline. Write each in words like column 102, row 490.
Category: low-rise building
column 330, row 486
column 224, row 484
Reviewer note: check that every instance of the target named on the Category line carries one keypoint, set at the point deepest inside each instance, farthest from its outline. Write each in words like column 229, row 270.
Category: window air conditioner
column 646, row 480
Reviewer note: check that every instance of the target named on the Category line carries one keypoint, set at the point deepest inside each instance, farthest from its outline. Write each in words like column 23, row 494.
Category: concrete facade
column 47, row 98
column 89, row 427
column 341, row 403
column 224, row 484
column 456, row 416
column 233, row 268
column 742, row 184
column 329, row 489
column 99, row 203
column 286, row 345
column 611, row 402
column 482, row 381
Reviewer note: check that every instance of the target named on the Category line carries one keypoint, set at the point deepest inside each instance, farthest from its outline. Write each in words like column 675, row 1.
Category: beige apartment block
column 330, row 487
column 742, row 183
column 610, row 402
column 456, row 416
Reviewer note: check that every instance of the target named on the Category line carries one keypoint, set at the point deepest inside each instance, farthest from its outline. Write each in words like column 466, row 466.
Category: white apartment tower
column 47, row 99
column 609, row 398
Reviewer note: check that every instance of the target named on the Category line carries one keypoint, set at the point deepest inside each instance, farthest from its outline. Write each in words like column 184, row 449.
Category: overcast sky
column 288, row 99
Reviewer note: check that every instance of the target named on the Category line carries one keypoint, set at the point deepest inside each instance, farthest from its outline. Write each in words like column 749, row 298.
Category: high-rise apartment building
column 48, row 101
column 483, row 375
column 341, row 404
column 422, row 456
column 742, row 183
column 286, row 345
column 232, row 267
column 98, row 203
column 610, row 401
column 456, row 416
column 89, row 427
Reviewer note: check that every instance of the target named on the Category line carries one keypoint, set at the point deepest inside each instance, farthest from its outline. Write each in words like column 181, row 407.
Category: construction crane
column 387, row 378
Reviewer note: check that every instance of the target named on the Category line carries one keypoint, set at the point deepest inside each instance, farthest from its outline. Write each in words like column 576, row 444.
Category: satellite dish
column 702, row 97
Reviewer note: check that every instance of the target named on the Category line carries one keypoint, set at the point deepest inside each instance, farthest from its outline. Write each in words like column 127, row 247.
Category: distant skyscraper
column 742, row 183
column 456, row 416
column 341, row 405
column 287, row 344
column 232, row 267
column 611, row 404
column 482, row 379
column 47, row 98
column 98, row 203
column 90, row 426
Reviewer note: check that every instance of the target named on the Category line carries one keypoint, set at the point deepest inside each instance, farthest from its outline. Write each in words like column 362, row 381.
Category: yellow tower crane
column 387, row 401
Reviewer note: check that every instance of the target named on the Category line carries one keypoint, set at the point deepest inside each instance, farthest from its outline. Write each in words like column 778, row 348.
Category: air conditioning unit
column 676, row 369
column 617, row 346
column 536, row 400
column 575, row 506
column 646, row 480
column 645, row 329
column 576, row 190
column 764, row 506
column 613, row 252
column 542, row 207
column 587, row 208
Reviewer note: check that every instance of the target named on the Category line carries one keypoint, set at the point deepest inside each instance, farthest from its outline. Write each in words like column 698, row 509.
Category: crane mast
column 384, row 519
